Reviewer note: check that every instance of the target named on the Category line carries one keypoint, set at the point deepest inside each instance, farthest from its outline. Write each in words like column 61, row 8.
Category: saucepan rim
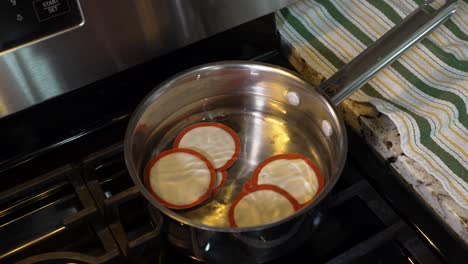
column 165, row 88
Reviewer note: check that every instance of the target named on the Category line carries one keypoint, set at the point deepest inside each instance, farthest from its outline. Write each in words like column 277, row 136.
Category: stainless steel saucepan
column 273, row 111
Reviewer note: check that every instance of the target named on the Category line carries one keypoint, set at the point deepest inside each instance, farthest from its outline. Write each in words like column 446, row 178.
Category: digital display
column 24, row 21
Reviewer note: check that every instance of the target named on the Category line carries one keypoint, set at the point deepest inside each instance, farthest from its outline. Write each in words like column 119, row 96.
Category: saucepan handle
column 386, row 49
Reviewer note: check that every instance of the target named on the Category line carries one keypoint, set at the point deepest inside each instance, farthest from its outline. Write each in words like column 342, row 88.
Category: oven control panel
column 26, row 21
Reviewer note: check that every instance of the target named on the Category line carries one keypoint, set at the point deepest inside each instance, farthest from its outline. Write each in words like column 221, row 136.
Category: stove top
column 90, row 212
column 66, row 196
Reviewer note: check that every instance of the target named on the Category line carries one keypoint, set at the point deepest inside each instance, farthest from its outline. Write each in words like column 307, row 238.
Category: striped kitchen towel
column 425, row 92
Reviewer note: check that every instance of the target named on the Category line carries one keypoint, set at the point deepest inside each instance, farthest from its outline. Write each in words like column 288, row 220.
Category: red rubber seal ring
column 260, row 187
column 223, row 181
column 289, row 156
column 231, row 132
column 202, row 198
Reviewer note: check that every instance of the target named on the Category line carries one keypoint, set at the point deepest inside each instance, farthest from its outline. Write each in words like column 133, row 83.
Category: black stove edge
column 425, row 222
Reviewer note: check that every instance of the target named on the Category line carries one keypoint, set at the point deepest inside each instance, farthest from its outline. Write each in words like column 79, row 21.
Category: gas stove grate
column 95, row 203
column 53, row 213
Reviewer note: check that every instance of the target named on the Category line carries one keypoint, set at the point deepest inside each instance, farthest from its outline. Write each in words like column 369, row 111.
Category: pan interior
column 266, row 127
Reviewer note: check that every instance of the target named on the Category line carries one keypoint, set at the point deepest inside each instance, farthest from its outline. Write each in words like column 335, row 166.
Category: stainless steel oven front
column 50, row 47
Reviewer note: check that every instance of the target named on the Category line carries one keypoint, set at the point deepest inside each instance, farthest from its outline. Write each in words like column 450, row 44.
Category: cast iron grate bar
column 49, row 209
column 347, row 194
column 416, row 248
column 368, row 245
column 100, row 171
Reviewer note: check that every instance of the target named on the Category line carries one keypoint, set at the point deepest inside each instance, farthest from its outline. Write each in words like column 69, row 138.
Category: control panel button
column 46, row 9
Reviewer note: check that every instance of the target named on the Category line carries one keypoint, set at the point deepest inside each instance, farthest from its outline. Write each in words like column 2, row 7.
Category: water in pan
column 265, row 128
